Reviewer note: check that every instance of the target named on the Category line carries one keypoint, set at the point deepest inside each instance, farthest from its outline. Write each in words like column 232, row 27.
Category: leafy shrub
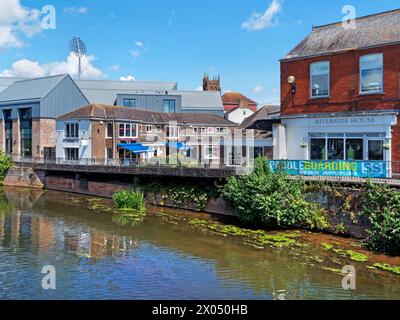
column 382, row 206
column 272, row 199
column 130, row 200
column 5, row 164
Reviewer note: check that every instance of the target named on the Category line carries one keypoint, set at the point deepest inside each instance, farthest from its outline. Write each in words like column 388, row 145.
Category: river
column 162, row 257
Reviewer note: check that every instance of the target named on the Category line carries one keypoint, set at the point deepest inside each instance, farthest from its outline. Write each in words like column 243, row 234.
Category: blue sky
column 169, row 40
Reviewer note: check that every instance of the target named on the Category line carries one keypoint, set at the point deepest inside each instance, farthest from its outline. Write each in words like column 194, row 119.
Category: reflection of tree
column 5, row 205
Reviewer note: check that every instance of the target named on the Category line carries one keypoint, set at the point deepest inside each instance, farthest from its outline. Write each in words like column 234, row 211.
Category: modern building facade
column 105, row 132
column 29, row 107
column 341, row 95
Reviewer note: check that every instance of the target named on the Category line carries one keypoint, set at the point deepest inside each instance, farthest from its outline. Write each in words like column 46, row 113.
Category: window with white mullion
column 319, row 78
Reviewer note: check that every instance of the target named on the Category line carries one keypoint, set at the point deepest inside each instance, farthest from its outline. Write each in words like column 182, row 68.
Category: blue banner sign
column 356, row 169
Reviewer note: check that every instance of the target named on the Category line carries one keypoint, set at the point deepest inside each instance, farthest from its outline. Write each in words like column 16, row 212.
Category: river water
column 159, row 258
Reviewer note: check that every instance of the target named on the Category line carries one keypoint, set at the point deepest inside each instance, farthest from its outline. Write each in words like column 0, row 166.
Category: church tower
column 213, row 84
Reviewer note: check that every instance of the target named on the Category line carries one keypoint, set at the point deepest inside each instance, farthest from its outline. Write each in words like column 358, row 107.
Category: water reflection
column 98, row 259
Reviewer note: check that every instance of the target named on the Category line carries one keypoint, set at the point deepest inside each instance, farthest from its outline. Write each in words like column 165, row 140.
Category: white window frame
column 149, row 129
column 130, row 125
column 107, row 131
column 311, row 80
column 175, row 130
column 210, row 130
column 207, row 155
column 74, row 125
column 360, row 75
column 159, row 129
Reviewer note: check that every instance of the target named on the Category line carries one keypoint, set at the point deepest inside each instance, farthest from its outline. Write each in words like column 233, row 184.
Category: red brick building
column 341, row 93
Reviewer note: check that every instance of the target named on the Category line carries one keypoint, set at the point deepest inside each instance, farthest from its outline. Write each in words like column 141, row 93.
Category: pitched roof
column 235, row 98
column 208, row 100
column 106, row 91
column 372, row 30
column 31, row 89
column 108, row 112
column 265, row 113
column 5, row 82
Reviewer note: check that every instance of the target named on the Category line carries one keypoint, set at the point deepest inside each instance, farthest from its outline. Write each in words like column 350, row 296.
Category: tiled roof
column 265, row 113
column 373, row 30
column 235, row 98
column 31, row 89
column 107, row 112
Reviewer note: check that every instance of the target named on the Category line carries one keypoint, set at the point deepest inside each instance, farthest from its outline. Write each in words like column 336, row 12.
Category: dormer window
column 319, row 76
column 371, row 73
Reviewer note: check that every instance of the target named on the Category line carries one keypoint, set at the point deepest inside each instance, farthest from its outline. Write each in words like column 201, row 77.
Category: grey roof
column 106, row 91
column 31, row 89
column 206, row 100
column 5, row 82
column 268, row 112
column 373, row 30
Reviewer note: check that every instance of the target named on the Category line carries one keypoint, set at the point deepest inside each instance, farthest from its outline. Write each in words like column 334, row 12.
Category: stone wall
column 24, row 177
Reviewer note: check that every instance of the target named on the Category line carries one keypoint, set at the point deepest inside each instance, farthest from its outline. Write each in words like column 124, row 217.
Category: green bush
column 130, row 200
column 272, row 199
column 5, row 164
column 382, row 207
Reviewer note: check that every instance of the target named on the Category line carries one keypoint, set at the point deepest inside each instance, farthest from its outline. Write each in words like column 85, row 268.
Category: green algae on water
column 327, row 246
column 387, row 267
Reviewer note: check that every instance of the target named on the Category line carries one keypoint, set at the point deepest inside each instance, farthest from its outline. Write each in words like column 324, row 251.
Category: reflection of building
column 108, row 132
column 43, row 232
column 340, row 93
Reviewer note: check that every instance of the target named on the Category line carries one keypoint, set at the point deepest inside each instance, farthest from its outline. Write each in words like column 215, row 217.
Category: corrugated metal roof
column 209, row 100
column 106, row 91
column 373, row 30
column 31, row 89
column 5, row 82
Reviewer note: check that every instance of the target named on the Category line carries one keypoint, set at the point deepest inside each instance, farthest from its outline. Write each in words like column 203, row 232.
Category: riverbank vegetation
column 130, row 200
column 382, row 207
column 5, row 164
column 269, row 199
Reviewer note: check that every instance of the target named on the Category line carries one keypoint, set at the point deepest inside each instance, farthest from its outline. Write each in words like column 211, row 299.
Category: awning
column 179, row 146
column 135, row 148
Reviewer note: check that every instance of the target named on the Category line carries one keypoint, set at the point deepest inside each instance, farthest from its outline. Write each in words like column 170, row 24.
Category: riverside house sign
column 347, row 121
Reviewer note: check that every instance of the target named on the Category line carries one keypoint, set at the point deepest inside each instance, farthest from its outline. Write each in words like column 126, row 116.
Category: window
column 110, row 130
column 320, row 79
column 375, row 150
column 221, row 130
column 72, row 153
column 25, row 117
column 159, row 129
column 172, row 132
column 203, row 130
column 211, row 130
column 72, row 131
column 371, row 73
column 127, row 130
column 169, row 106
column 130, row 103
column 8, row 126
column 349, row 146
column 211, row 152
column 109, row 153
column 149, row 129
column 196, row 130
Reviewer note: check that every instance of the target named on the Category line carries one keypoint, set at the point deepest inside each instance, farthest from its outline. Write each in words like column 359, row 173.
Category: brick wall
column 344, row 84
column 344, row 87
column 98, row 140
column 16, row 150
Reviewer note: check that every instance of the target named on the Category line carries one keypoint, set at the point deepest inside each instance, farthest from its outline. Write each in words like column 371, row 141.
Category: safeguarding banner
column 357, row 169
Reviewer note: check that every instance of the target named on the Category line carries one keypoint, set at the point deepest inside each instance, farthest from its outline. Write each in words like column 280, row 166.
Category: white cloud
column 17, row 22
column 27, row 68
column 76, row 10
column 139, row 44
column 139, row 50
column 258, row 89
column 128, row 78
column 259, row 21
column 115, row 67
column 199, row 88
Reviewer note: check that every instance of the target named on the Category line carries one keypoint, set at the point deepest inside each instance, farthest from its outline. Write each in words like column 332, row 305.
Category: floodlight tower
column 78, row 48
